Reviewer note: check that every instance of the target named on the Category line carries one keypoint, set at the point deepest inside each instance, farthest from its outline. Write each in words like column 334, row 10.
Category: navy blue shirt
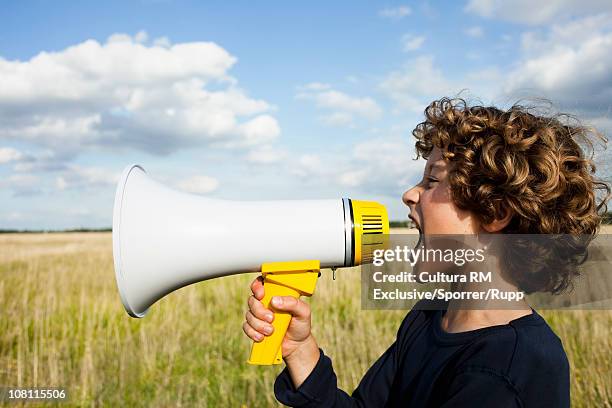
column 520, row 364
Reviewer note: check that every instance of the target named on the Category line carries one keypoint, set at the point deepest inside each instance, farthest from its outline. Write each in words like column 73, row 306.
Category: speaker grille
column 371, row 227
column 372, row 224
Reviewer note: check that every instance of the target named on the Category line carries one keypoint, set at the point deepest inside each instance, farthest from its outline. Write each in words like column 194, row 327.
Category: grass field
column 63, row 325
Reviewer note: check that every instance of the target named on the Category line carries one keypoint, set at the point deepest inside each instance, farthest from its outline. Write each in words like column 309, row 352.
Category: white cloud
column 77, row 177
column 61, row 183
column 163, row 42
column 603, row 157
column 475, row 32
column 382, row 165
column 571, row 64
column 39, row 161
column 119, row 38
column 343, row 107
column 8, row 154
column 262, row 129
column 141, row 37
column 126, row 94
column 199, row 184
column 338, row 119
column 395, row 13
column 387, row 164
column 526, row 12
column 487, row 76
column 266, row 155
column 21, row 184
column 353, row 177
column 314, row 86
column 417, row 84
column 338, row 100
column 412, row 42
column 308, row 165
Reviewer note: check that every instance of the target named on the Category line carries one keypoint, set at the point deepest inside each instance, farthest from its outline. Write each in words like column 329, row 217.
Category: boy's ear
column 499, row 224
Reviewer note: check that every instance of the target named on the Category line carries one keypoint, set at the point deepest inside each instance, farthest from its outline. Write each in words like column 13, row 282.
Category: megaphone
column 164, row 239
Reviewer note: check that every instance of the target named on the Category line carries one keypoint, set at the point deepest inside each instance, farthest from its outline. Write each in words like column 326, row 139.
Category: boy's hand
column 259, row 319
column 299, row 348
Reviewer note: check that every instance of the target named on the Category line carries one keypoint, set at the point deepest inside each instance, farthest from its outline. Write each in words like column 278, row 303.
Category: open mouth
column 420, row 240
column 418, row 227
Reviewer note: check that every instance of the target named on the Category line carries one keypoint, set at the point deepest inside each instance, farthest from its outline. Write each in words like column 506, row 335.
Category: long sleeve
column 481, row 387
column 320, row 388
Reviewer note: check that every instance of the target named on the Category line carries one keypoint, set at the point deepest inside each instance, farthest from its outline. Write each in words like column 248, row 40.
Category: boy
column 488, row 171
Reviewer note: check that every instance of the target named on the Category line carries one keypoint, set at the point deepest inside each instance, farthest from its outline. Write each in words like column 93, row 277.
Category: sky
column 268, row 100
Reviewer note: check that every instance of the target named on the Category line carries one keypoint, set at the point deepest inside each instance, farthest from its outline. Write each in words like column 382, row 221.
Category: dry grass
column 62, row 325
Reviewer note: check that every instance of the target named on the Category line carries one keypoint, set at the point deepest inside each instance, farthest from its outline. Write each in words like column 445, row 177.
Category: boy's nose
column 411, row 196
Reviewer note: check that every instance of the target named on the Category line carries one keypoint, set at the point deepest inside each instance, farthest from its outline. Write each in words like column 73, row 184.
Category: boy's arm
column 320, row 388
column 302, row 361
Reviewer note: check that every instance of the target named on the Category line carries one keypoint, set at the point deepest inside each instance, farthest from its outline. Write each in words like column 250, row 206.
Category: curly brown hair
column 536, row 166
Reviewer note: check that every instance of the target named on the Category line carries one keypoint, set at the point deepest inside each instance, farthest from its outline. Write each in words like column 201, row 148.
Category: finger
column 259, row 325
column 252, row 333
column 296, row 307
column 257, row 287
column 259, row 311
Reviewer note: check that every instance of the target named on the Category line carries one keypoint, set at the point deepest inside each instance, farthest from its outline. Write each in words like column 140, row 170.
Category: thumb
column 295, row 307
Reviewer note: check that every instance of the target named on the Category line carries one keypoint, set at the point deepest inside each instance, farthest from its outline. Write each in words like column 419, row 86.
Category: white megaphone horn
column 164, row 239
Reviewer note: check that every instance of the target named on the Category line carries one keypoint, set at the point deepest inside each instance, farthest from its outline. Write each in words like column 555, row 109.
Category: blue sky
column 276, row 100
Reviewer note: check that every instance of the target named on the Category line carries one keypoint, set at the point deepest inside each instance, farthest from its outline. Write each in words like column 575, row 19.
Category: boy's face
column 431, row 205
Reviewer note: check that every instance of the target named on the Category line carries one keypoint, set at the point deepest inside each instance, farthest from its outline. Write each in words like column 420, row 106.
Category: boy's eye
column 431, row 180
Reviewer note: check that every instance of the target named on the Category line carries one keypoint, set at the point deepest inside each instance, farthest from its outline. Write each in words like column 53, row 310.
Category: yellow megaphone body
column 164, row 239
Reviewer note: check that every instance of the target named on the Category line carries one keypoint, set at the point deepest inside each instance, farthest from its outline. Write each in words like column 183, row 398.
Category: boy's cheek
column 440, row 195
column 440, row 215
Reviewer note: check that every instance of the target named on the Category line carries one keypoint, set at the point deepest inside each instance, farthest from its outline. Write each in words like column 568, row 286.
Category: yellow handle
column 282, row 279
